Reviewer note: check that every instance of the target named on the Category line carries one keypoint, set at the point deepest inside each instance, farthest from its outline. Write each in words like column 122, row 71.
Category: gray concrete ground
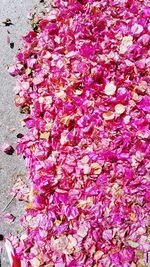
column 10, row 126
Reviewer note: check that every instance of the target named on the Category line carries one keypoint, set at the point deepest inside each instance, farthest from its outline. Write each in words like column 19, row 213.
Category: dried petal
column 8, row 149
column 108, row 115
column 119, row 109
column 110, row 89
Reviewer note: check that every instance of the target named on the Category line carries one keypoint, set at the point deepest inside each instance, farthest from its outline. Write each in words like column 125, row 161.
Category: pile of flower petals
column 84, row 90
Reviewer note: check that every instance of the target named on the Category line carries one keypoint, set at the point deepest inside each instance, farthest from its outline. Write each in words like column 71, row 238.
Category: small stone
column 1, row 237
column 7, row 22
column 12, row 44
column 12, row 129
column 19, row 135
column 110, row 89
column 120, row 109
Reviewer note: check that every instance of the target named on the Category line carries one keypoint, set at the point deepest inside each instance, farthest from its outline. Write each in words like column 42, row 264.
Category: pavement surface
column 11, row 167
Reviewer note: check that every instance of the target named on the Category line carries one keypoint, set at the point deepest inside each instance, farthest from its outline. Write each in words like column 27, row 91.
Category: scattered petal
column 8, row 149
column 119, row 109
column 108, row 115
column 110, row 89
column 83, row 91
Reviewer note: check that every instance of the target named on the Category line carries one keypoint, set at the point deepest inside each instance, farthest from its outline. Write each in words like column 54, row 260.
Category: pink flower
column 83, row 89
column 13, row 71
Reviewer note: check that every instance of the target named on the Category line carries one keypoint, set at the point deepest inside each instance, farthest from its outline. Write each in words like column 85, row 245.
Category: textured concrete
column 10, row 166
